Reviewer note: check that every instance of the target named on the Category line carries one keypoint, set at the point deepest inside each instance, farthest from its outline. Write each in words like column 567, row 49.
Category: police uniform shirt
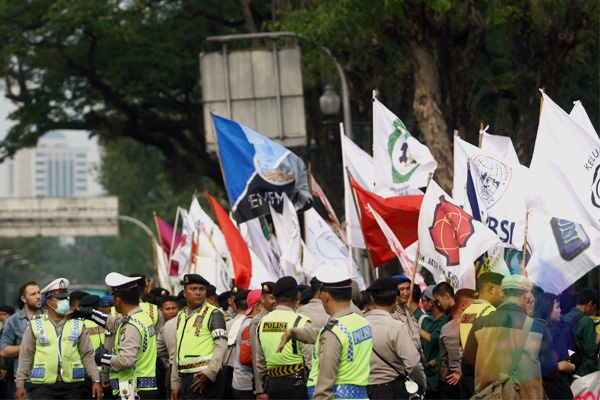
column 404, row 315
column 255, row 345
column 389, row 340
column 28, row 348
column 216, row 326
column 316, row 312
column 261, row 362
column 129, row 342
column 450, row 351
column 166, row 342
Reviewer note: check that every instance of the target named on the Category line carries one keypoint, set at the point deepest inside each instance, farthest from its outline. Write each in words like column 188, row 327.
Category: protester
column 431, row 348
column 402, row 312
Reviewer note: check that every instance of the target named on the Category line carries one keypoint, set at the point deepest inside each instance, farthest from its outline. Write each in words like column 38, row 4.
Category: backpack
column 567, row 331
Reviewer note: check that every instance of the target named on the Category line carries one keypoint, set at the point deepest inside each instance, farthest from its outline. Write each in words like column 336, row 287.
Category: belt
column 285, row 370
column 186, row 368
column 343, row 392
column 142, row 383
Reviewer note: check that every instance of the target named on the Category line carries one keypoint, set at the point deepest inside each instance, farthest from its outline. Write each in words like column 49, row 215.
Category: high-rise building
column 52, row 169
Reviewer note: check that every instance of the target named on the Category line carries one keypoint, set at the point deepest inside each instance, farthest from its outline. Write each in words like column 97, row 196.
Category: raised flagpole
column 523, row 270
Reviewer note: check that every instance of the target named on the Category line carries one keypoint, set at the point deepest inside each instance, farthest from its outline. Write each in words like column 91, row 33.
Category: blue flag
column 257, row 171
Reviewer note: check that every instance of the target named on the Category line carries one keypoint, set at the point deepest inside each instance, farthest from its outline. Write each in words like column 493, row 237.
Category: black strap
column 294, row 341
column 390, row 365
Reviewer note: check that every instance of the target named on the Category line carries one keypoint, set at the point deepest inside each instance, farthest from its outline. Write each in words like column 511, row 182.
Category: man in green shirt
column 586, row 346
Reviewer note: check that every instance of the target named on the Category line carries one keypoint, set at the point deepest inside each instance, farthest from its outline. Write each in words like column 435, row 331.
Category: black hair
column 443, row 288
column 586, row 295
column 241, row 304
column 544, row 303
column 416, row 294
column 129, row 296
column 222, row 299
column 25, row 286
column 289, row 296
column 166, row 299
column 149, row 298
column 385, row 297
column 141, row 282
column 567, row 302
column 339, row 294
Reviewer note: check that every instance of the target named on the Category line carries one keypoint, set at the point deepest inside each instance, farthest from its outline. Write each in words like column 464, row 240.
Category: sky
column 75, row 139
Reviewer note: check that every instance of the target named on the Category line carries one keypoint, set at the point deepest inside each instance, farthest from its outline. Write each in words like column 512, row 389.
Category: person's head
column 159, row 293
column 254, row 304
column 5, row 312
column 547, row 307
column 181, row 301
column 428, row 299
column 463, row 298
column 315, row 287
column 336, row 289
column 355, row 292
column 517, row 288
column 403, row 282
column 384, row 293
column 240, row 304
column 30, row 295
column 91, row 300
column 149, row 298
column 211, row 295
column 106, row 303
column 267, row 298
column 489, row 287
column 57, row 296
column 125, row 291
column 234, row 291
column 587, row 301
column 194, row 290
column 142, row 283
column 223, row 300
column 567, row 301
column 168, row 307
column 416, row 295
column 75, row 297
column 444, row 295
column 286, row 291
column 306, row 296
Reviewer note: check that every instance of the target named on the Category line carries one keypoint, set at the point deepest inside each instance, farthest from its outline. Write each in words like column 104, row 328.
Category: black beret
column 491, row 277
column 284, row 285
column 159, row 292
column 211, row 290
column 267, row 287
column 315, row 283
column 91, row 300
column 382, row 284
column 306, row 296
column 180, row 295
column 7, row 309
column 189, row 279
column 242, row 295
column 234, row 291
column 302, row 287
column 78, row 294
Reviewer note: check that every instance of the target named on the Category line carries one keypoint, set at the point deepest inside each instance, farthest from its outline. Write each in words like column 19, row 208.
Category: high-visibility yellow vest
column 470, row 314
column 95, row 332
column 56, row 356
column 195, row 344
column 271, row 329
column 354, row 333
column 148, row 308
column 144, row 370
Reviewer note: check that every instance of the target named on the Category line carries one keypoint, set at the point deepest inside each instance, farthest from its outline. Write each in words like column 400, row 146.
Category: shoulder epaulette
column 35, row 317
column 331, row 323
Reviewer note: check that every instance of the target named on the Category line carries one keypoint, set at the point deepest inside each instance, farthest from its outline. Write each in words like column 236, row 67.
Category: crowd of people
column 288, row 341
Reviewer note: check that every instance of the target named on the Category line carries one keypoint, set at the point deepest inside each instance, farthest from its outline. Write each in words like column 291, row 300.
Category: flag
column 185, row 253
column 450, row 239
column 287, row 229
column 562, row 252
column 257, row 171
column 160, row 264
column 499, row 146
column 210, row 238
column 325, row 248
column 360, row 165
column 398, row 249
column 565, row 168
column 462, row 153
column 169, row 240
column 323, row 207
column 401, row 161
column 401, row 213
column 580, row 116
column 238, row 249
column 261, row 248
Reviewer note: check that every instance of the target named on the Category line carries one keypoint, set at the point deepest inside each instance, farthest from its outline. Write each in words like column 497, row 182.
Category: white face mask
column 62, row 307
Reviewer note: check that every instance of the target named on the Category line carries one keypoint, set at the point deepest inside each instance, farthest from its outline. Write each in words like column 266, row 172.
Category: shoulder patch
column 331, row 323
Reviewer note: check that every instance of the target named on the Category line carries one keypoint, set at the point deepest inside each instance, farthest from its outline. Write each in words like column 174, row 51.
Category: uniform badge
column 122, row 336
column 198, row 325
column 186, row 279
column 265, row 288
column 322, row 344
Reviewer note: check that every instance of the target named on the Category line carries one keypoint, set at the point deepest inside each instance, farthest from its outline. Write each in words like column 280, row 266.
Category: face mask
column 62, row 307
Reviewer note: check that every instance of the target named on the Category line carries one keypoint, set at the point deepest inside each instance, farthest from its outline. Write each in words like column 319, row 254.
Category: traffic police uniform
column 201, row 347
column 97, row 335
column 266, row 290
column 393, row 358
column 56, row 355
column 341, row 357
column 284, row 375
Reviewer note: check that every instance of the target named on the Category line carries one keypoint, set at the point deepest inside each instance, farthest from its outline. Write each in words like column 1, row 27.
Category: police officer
column 56, row 352
column 393, row 358
column 268, row 304
column 201, row 345
column 340, row 366
column 132, row 360
column 314, row 309
column 151, row 309
column 284, row 375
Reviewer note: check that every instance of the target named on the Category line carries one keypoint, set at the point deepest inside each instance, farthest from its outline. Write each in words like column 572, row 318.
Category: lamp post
column 14, row 261
column 329, row 103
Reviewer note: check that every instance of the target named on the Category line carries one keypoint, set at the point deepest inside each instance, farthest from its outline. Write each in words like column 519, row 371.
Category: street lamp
column 17, row 261
column 329, row 103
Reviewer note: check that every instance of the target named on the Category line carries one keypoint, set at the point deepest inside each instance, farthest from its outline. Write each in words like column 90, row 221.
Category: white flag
column 462, row 153
column 450, row 239
column 562, row 252
column 565, row 169
column 360, row 165
column 261, row 249
column 183, row 253
column 160, row 262
column 500, row 146
column 287, row 228
column 401, row 161
column 580, row 116
column 211, row 240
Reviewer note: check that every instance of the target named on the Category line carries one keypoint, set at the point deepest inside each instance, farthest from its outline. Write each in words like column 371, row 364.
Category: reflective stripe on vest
column 53, row 353
column 470, row 314
column 271, row 329
column 195, row 343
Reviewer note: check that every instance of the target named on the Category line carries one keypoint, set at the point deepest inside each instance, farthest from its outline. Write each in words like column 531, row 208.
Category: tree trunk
column 426, row 105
